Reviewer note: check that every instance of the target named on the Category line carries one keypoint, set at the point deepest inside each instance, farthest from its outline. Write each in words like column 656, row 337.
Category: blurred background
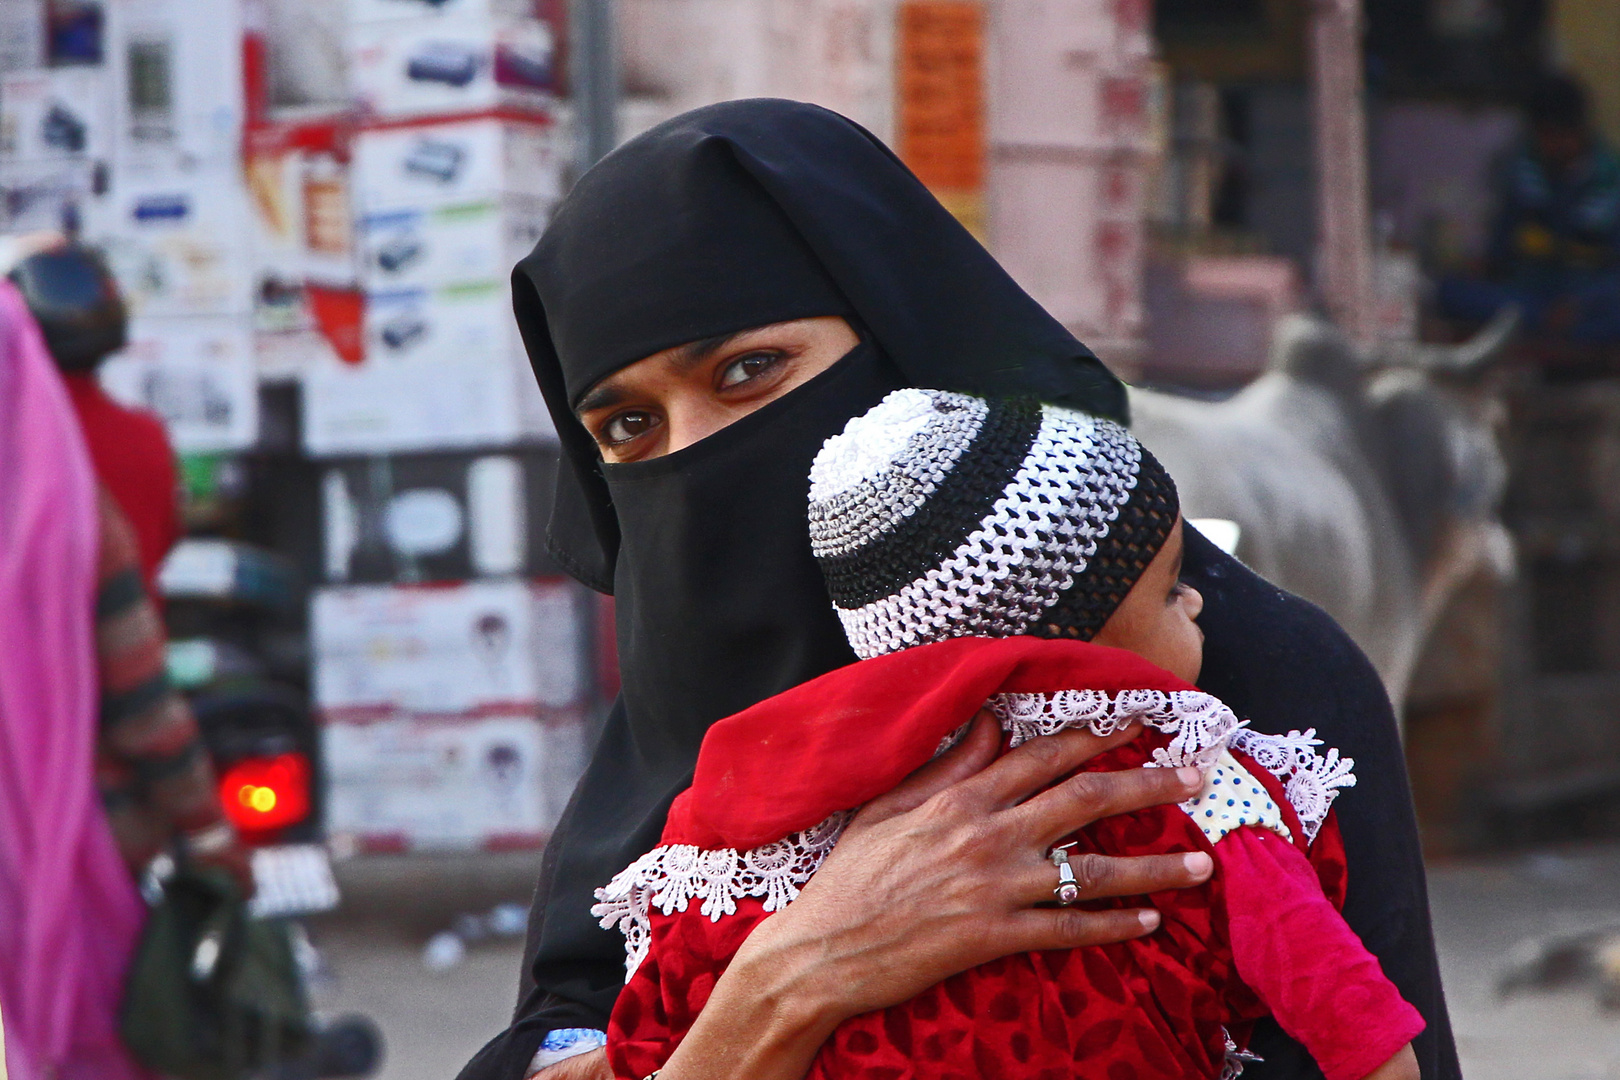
column 312, row 207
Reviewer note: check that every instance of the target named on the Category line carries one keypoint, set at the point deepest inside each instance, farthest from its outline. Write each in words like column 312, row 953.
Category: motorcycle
column 228, row 605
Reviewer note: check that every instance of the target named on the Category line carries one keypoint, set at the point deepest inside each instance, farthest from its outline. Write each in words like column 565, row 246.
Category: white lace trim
column 1200, row 724
column 669, row 877
column 672, row 876
column 1311, row 780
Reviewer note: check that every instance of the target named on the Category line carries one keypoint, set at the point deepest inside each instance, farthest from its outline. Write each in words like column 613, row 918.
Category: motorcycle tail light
column 266, row 793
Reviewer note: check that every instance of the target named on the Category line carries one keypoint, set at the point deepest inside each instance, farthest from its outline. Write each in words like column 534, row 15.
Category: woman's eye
column 748, row 367
column 626, row 426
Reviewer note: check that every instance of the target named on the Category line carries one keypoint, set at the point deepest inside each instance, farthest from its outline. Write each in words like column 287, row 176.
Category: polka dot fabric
column 1232, row 797
column 1157, row 1008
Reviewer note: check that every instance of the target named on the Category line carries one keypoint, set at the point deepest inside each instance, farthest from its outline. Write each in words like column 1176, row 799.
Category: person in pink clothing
column 70, row 914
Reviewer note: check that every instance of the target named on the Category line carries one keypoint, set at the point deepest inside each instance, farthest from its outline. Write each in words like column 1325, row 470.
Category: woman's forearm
column 767, row 1017
column 954, row 860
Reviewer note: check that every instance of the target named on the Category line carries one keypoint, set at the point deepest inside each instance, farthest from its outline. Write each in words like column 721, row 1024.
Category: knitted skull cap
column 937, row 515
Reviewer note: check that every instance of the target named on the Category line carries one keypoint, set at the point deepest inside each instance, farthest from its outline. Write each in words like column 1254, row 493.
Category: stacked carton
column 306, row 301
column 456, row 165
column 362, row 247
column 453, row 712
column 136, row 143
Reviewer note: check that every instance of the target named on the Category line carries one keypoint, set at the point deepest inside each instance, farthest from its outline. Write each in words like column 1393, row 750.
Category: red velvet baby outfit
column 775, row 785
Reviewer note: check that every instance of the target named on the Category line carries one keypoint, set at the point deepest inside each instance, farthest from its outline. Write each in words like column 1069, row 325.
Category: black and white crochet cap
column 937, row 515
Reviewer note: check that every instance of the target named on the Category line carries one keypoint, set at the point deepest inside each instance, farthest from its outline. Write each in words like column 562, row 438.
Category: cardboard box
column 445, row 245
column 176, row 67
column 56, row 112
column 434, row 517
column 197, row 374
column 411, row 784
column 421, row 406
column 22, row 35
column 428, row 163
column 373, row 11
column 180, row 242
column 477, row 648
column 404, row 68
column 50, row 194
column 297, row 179
column 444, row 324
column 307, row 326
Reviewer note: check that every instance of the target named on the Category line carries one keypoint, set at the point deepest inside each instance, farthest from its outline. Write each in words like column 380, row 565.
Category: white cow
column 1368, row 484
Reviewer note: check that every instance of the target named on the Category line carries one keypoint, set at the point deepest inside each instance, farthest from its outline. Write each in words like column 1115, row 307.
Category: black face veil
column 726, row 218
column 752, row 212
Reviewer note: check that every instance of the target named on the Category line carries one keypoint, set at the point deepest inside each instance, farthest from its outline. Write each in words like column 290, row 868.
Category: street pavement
column 1482, row 908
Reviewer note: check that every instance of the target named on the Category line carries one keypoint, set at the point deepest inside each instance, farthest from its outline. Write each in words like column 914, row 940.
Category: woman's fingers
column 976, row 750
column 1086, row 797
column 1028, row 768
column 1102, row 877
column 1042, row 929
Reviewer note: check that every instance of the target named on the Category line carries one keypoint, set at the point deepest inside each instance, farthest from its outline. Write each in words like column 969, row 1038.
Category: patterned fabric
column 154, row 776
column 1175, row 1005
column 1200, row 729
column 564, row 1043
column 939, row 515
column 1179, row 1003
column 1233, row 797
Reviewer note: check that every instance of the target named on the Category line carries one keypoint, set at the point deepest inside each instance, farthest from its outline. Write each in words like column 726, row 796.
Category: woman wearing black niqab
column 751, row 213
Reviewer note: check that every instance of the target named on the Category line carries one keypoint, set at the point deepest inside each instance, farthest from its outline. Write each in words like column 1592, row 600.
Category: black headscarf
column 753, row 212
column 729, row 217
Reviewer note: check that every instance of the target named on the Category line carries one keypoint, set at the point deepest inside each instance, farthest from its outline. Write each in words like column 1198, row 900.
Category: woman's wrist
column 769, row 1015
column 788, row 975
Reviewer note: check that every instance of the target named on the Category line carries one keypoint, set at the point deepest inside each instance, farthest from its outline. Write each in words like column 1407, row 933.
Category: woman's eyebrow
column 602, row 396
column 694, row 353
column 606, row 395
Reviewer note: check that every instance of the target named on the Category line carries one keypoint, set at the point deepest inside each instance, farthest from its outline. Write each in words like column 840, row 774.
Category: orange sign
column 941, row 90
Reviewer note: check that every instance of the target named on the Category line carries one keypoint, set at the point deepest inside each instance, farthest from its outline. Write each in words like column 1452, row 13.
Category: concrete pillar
column 1344, row 274
column 837, row 53
column 1069, row 151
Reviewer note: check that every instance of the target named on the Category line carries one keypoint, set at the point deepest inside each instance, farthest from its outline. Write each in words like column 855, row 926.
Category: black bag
column 213, row 994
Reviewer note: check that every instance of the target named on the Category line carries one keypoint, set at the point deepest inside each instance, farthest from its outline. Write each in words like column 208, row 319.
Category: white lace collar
column 671, row 876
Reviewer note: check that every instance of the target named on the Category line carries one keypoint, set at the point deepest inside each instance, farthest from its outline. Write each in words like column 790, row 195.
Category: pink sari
column 69, row 912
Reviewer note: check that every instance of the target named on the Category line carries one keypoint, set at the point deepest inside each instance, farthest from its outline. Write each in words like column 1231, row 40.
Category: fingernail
column 1197, row 863
column 1149, row 918
column 1190, row 777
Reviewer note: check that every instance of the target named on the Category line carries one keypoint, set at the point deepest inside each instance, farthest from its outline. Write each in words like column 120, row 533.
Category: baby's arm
column 1403, row 1066
column 1294, row 949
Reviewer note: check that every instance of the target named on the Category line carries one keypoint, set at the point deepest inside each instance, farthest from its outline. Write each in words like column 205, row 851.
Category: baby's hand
column 1403, row 1066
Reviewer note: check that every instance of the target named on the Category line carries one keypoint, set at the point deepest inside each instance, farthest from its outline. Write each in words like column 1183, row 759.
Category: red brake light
column 266, row 793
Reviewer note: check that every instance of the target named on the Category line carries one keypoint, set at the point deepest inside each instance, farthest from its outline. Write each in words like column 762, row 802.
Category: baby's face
column 1156, row 620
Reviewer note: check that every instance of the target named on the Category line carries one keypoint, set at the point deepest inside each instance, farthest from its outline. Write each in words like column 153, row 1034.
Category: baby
column 987, row 554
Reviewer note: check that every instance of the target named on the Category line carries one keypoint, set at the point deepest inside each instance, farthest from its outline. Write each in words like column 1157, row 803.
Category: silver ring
column 1067, row 892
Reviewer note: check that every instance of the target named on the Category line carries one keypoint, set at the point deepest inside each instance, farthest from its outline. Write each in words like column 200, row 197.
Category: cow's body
column 1372, row 492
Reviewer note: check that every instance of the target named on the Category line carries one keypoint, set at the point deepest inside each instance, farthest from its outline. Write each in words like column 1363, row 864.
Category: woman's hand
column 940, row 875
column 591, row 1065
